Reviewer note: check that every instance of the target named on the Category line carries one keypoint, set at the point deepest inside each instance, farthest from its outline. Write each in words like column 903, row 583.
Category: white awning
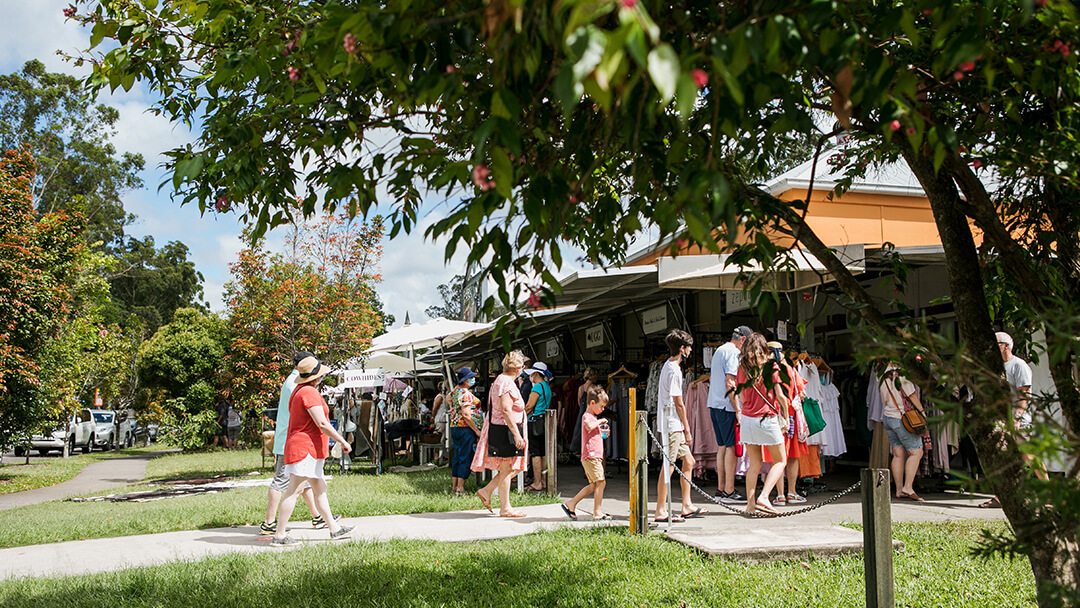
column 796, row 269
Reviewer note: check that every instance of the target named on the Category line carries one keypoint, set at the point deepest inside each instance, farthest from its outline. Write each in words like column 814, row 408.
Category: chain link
column 759, row 514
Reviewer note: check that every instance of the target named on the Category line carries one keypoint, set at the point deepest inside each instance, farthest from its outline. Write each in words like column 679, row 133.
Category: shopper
column 280, row 482
column 306, row 449
column 503, row 445
column 592, row 455
column 591, row 377
column 233, row 421
column 674, row 428
column 536, row 408
column 762, row 409
column 724, row 368
column 906, row 447
column 793, row 447
column 465, row 421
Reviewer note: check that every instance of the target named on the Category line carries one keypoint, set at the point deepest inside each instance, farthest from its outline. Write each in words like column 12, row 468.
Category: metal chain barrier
column 759, row 514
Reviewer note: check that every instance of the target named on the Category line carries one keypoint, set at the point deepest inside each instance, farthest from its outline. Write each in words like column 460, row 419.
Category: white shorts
column 310, row 467
column 760, row 431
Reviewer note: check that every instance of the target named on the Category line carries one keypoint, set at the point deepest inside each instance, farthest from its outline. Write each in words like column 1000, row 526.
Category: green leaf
column 687, row 97
column 502, row 171
column 664, row 70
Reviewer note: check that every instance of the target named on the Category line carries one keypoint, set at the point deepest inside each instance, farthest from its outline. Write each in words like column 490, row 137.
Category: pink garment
column 704, row 444
column 502, row 385
column 592, row 444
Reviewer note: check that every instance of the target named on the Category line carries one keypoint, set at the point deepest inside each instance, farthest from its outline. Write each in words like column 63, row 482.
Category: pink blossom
column 534, row 300
column 958, row 75
column 69, row 12
column 481, row 177
column 962, row 149
column 910, row 130
column 294, row 74
column 894, row 125
column 222, row 204
column 918, row 358
column 967, row 66
column 450, row 68
column 682, row 243
column 573, row 199
column 104, row 333
column 350, row 43
column 629, row 3
column 701, row 78
column 976, row 163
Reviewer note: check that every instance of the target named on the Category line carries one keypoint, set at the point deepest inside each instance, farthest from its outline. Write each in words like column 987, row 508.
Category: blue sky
column 36, row 29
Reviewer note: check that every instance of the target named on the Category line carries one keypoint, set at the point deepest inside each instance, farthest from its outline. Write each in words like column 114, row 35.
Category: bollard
column 551, row 460
column 639, row 470
column 877, row 538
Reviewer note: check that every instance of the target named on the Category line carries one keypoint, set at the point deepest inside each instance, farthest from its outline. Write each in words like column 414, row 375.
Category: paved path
column 96, row 477
column 721, row 532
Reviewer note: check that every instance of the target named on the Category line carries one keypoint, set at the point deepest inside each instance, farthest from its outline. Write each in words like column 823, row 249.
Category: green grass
column 589, row 568
column 353, row 494
column 15, row 477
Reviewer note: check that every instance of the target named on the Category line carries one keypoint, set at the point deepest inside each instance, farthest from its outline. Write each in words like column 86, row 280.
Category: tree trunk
column 1049, row 542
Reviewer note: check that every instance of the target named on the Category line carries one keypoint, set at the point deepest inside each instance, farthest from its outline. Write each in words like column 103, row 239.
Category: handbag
column 802, row 430
column 914, row 420
column 815, row 421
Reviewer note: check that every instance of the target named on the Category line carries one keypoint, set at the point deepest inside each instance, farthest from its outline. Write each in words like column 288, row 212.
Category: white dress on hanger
column 835, row 445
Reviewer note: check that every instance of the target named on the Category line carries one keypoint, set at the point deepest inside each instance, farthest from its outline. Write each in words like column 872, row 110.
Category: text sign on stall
column 654, row 320
column 736, row 300
column 358, row 378
column 552, row 349
column 594, row 336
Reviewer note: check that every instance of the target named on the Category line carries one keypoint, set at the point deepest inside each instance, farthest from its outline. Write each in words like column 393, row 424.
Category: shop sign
column 781, row 330
column 594, row 336
column 654, row 320
column 552, row 349
column 736, row 300
column 358, row 378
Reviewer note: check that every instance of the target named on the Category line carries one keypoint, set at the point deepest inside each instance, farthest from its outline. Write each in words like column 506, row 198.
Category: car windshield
column 103, row 417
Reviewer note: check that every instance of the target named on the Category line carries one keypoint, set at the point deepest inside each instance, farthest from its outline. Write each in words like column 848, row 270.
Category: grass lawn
column 353, row 494
column 16, row 477
column 588, row 568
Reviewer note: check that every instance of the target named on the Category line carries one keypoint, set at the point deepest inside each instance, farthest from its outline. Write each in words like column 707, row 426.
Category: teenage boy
column 725, row 366
column 675, row 430
column 592, row 455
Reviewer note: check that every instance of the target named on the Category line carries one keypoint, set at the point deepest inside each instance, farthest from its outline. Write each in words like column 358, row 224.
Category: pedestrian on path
column 760, row 399
column 674, row 428
column 794, row 447
column 898, row 394
column 306, row 449
column 724, row 369
column 280, row 483
column 465, row 421
column 536, row 407
column 592, row 455
column 503, row 444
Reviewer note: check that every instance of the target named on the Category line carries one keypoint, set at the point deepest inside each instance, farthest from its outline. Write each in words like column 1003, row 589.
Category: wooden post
column 639, row 472
column 551, row 456
column 877, row 538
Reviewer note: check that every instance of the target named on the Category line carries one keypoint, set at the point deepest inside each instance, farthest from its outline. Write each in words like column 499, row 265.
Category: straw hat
column 310, row 370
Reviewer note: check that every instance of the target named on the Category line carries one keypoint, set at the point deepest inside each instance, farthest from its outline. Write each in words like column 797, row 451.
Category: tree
column 584, row 121
column 319, row 297
column 40, row 262
column 182, row 364
column 154, row 283
column 453, row 295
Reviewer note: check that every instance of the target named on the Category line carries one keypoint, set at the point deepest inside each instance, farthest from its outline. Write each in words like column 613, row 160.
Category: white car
column 105, row 430
column 79, row 433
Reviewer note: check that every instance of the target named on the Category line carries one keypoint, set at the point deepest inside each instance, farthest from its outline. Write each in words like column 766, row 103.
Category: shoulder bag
column 913, row 419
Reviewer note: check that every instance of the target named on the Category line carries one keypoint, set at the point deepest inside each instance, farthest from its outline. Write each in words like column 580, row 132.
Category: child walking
column 592, row 454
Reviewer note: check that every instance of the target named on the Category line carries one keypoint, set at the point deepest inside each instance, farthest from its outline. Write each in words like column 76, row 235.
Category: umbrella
column 390, row 363
column 437, row 332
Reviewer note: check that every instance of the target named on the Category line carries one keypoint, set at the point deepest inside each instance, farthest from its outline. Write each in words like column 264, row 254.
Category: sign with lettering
column 736, row 300
column 781, row 330
column 654, row 319
column 552, row 349
column 358, row 378
column 594, row 336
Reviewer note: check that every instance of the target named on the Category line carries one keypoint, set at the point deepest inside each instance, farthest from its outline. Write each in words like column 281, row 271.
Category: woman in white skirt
column 306, row 448
column 761, row 407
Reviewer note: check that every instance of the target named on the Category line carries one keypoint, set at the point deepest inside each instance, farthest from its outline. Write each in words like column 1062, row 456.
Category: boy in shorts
column 592, row 454
column 675, row 430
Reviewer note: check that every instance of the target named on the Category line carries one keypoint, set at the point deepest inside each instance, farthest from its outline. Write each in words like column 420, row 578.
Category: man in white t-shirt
column 674, row 428
column 725, row 366
column 1018, row 375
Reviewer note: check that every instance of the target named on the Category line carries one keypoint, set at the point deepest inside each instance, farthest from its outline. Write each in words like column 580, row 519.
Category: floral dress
column 502, row 385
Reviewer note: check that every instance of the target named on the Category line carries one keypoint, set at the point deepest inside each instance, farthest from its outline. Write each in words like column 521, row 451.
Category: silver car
column 79, row 433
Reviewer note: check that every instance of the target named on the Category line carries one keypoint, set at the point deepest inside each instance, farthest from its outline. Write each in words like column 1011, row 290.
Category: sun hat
column 539, row 368
column 310, row 370
column 464, row 374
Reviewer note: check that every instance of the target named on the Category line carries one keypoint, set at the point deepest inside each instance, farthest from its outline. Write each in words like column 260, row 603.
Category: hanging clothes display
column 835, row 444
column 652, row 389
column 704, row 446
column 620, row 424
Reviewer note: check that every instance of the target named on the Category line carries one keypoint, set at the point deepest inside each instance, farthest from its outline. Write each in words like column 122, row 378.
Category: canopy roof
column 437, row 332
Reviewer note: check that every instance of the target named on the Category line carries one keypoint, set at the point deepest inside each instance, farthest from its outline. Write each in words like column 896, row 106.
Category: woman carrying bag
column 762, row 406
column 503, row 445
column 899, row 396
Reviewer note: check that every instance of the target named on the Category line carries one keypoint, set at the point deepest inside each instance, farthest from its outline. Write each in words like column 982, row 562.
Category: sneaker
column 720, row 494
column 342, row 533
column 318, row 523
column 267, row 529
column 288, row 541
column 733, row 498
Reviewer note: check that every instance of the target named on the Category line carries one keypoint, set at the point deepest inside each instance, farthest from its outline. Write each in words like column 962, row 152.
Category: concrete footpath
column 96, row 477
column 721, row 532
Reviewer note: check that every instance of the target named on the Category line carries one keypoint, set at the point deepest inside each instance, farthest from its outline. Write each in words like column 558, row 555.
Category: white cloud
column 36, row 30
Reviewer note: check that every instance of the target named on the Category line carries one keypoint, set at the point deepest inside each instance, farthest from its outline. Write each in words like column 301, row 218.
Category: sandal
column 993, row 503
column 675, row 519
column 698, row 512
column 604, row 517
column 571, row 514
column 484, row 501
column 512, row 514
column 795, row 498
column 766, row 507
column 780, row 500
column 913, row 496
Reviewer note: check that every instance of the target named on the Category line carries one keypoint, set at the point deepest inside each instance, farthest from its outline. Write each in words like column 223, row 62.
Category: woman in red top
column 306, row 448
column 761, row 405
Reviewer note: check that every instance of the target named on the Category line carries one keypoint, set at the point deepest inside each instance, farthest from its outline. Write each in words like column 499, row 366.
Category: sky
column 412, row 268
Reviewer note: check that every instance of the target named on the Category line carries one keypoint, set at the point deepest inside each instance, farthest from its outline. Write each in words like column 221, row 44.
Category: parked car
column 105, row 429
column 79, row 433
column 145, row 433
column 125, row 432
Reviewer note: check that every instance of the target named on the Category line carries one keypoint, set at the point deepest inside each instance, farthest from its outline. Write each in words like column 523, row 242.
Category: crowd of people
column 755, row 399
